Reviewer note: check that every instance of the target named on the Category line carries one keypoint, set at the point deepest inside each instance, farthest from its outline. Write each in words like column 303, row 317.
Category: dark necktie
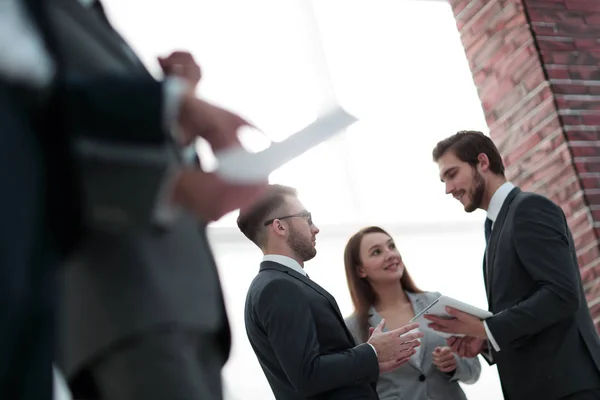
column 488, row 230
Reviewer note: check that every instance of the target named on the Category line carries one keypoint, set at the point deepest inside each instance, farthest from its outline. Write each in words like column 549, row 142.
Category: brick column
column 536, row 64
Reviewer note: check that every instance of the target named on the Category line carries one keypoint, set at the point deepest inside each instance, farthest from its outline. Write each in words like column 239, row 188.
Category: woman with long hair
column 381, row 287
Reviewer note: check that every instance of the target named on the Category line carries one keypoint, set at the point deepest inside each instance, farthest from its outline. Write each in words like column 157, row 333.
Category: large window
column 398, row 66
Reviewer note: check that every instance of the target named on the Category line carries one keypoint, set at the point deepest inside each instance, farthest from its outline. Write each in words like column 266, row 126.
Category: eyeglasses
column 303, row 214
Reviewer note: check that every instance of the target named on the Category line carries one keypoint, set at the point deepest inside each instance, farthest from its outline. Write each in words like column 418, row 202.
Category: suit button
column 422, row 378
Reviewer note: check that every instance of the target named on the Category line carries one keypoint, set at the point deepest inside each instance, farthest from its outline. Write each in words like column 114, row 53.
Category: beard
column 476, row 193
column 301, row 245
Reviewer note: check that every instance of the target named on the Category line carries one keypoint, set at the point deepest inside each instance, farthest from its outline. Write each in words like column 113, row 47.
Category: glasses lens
column 309, row 219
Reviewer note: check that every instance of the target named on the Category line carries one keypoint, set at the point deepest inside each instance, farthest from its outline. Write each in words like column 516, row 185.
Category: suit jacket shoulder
column 524, row 200
column 266, row 281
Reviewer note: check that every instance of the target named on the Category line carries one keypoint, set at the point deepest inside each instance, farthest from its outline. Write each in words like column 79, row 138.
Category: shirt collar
column 498, row 199
column 286, row 261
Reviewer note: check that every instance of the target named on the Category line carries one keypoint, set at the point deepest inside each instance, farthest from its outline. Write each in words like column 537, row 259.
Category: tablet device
column 438, row 308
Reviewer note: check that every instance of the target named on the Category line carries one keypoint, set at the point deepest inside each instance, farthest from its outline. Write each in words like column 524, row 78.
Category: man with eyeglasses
column 294, row 325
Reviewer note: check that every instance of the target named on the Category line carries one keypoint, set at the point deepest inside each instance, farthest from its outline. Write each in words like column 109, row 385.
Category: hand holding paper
column 209, row 197
column 237, row 165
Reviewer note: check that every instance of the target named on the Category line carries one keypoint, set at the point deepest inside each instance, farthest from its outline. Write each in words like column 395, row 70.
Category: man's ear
column 483, row 162
column 279, row 227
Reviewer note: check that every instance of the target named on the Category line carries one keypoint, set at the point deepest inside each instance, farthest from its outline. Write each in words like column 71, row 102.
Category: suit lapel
column 273, row 265
column 112, row 38
column 485, row 276
column 419, row 304
column 93, row 22
column 490, row 253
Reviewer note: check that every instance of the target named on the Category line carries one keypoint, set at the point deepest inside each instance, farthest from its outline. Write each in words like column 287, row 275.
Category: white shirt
column 496, row 203
column 25, row 60
column 285, row 261
column 294, row 265
column 497, row 200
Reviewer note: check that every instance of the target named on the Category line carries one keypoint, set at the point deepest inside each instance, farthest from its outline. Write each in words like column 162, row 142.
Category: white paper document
column 438, row 308
column 240, row 166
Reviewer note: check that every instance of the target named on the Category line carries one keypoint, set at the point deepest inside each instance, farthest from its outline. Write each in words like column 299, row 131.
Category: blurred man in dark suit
column 46, row 106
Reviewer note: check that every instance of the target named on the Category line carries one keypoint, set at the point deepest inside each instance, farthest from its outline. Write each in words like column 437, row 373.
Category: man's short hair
column 251, row 221
column 467, row 145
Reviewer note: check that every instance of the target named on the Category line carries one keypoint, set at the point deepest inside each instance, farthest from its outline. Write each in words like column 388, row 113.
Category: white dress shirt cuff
column 165, row 210
column 373, row 347
column 173, row 90
column 491, row 337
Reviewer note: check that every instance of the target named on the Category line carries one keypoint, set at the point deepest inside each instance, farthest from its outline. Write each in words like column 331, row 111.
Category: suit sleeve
column 125, row 109
column 285, row 313
column 487, row 353
column 540, row 237
column 122, row 125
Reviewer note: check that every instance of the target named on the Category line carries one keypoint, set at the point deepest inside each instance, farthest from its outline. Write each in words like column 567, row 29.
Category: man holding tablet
column 541, row 334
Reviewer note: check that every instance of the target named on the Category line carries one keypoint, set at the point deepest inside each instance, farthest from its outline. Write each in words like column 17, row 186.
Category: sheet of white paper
column 239, row 166
column 438, row 308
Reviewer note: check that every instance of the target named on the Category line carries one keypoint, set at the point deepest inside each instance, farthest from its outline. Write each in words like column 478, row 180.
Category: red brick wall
column 536, row 64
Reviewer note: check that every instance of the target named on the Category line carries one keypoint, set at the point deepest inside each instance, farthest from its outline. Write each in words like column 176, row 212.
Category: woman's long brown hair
column 363, row 295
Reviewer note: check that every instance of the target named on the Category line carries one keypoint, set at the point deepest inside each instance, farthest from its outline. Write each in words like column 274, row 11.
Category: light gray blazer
column 424, row 382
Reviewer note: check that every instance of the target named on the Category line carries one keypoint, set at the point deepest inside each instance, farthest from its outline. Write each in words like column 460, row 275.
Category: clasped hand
column 444, row 359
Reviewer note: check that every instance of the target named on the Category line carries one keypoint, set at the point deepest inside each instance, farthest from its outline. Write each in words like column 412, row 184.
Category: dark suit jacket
column 98, row 93
column 119, row 285
column 301, row 340
column 42, row 202
column 548, row 345
column 27, row 284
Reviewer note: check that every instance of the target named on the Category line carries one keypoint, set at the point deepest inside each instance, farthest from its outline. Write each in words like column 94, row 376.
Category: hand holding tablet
column 438, row 308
